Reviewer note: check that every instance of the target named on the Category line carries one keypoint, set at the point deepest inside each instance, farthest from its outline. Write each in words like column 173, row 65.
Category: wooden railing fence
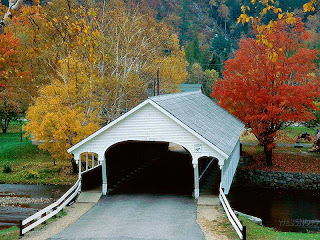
column 206, row 172
column 237, row 225
column 50, row 211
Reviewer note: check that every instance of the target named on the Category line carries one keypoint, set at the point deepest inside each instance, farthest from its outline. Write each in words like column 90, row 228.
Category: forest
column 70, row 66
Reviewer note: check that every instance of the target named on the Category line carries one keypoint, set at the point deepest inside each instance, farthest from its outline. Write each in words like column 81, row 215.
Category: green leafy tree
column 196, row 74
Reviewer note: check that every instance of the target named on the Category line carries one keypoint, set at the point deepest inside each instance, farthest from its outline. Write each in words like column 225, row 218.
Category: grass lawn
column 9, row 233
column 288, row 159
column 257, row 232
column 13, row 232
column 28, row 163
column 288, row 135
column 254, row 231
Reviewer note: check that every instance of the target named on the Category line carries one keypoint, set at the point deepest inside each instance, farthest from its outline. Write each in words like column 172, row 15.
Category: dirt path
column 212, row 219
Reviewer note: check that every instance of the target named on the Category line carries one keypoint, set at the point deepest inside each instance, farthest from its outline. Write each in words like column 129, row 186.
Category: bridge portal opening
column 149, row 167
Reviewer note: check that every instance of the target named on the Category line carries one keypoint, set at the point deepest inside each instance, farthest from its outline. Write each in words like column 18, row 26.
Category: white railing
column 240, row 229
column 51, row 210
column 54, row 208
column 207, row 167
column 229, row 168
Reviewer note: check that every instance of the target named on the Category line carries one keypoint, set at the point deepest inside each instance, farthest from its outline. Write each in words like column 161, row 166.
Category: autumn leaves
column 270, row 92
column 90, row 63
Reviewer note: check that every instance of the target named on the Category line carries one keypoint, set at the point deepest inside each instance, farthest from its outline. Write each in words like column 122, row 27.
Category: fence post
column 21, row 228
column 244, row 232
column 87, row 161
column 43, row 215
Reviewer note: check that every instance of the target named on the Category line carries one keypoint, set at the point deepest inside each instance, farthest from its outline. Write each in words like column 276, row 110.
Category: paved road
column 138, row 217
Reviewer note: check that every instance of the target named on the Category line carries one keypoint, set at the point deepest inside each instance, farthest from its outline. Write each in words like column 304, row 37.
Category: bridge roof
column 190, row 87
column 203, row 116
column 196, row 113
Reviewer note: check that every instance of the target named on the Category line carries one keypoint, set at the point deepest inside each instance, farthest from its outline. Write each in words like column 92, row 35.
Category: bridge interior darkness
column 148, row 167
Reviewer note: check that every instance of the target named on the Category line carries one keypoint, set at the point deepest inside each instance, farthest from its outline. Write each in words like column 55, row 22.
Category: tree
column 193, row 51
column 209, row 79
column 184, row 25
column 64, row 113
column 270, row 87
column 172, row 65
column 224, row 13
column 221, row 46
column 100, row 60
column 13, row 78
column 196, row 73
column 262, row 24
column 14, row 5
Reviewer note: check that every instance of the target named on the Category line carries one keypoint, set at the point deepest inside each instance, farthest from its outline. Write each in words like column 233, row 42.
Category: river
column 283, row 210
column 18, row 201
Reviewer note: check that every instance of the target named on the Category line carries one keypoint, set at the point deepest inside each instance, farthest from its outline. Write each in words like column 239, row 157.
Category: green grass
column 28, row 163
column 13, row 232
column 9, row 233
column 287, row 135
column 255, row 150
column 254, row 231
column 296, row 131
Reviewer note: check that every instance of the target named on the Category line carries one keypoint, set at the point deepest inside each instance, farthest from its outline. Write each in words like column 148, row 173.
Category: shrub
column 6, row 168
column 32, row 174
column 53, row 170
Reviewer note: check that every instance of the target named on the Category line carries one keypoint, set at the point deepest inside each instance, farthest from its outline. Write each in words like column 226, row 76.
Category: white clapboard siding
column 230, row 167
column 146, row 124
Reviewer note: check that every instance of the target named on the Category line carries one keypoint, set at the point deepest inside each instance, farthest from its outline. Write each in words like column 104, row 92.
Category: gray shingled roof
column 204, row 116
column 190, row 87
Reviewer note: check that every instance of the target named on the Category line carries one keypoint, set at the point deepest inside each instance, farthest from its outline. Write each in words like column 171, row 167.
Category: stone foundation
column 277, row 180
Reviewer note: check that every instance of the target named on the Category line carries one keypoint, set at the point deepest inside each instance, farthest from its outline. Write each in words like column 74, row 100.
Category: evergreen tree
column 184, row 25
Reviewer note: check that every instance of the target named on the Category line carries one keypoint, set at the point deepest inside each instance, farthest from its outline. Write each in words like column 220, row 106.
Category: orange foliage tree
column 13, row 98
column 270, row 87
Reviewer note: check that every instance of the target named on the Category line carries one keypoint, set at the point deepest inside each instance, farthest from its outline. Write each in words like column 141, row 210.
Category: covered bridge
column 190, row 119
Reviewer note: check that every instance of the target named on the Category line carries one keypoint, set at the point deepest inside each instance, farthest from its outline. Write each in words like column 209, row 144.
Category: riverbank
column 219, row 225
column 24, row 163
column 9, row 233
column 292, row 168
column 13, row 232
column 285, row 159
column 63, row 219
column 254, row 231
column 288, row 135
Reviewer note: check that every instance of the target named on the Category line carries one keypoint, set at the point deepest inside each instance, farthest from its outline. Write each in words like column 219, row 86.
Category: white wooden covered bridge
column 189, row 119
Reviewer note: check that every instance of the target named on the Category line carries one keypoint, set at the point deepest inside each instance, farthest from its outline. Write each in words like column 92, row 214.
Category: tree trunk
column 268, row 154
column 14, row 6
column 74, row 166
column 5, row 126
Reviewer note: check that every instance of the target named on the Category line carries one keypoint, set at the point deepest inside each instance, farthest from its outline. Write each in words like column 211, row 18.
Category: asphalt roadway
column 138, row 217
column 157, row 204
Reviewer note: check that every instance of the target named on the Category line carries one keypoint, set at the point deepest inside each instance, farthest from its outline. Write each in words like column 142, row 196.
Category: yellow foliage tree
column 271, row 6
column 97, row 62
column 64, row 112
column 172, row 66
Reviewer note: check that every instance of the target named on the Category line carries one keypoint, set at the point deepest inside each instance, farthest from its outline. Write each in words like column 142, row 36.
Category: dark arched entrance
column 148, row 167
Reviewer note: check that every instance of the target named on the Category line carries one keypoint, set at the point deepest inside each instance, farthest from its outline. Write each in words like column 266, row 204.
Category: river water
column 18, row 201
column 283, row 210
